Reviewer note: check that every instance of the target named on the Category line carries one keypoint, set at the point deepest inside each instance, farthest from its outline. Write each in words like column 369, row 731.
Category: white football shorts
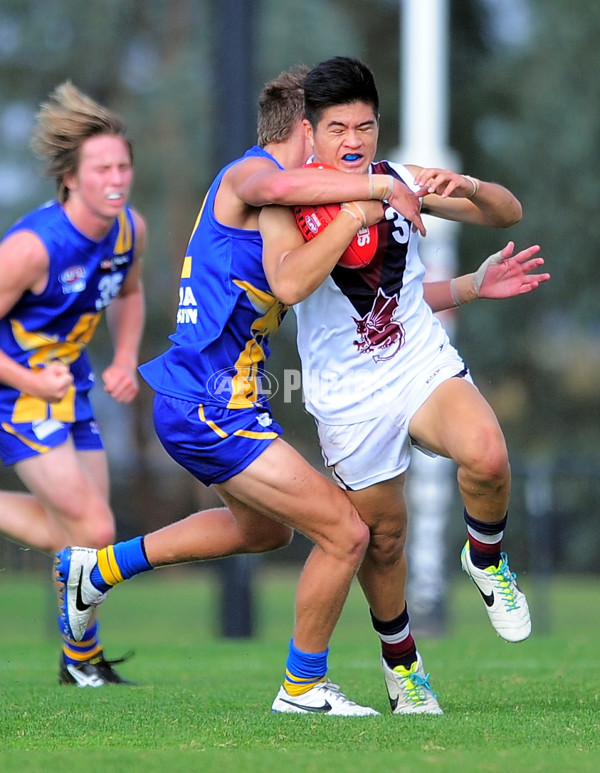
column 368, row 452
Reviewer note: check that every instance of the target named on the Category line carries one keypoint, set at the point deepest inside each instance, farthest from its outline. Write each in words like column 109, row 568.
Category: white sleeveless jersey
column 367, row 340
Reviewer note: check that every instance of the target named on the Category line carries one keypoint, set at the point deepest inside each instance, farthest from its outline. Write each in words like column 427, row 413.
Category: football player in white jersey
column 277, row 487
column 380, row 373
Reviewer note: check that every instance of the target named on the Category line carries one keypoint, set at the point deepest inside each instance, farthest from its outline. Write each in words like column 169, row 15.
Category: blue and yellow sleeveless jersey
column 83, row 278
column 225, row 318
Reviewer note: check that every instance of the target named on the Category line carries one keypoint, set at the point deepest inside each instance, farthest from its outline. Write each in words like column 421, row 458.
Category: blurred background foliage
column 524, row 112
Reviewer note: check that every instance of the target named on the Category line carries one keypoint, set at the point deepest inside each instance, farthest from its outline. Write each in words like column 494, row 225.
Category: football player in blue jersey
column 213, row 419
column 61, row 266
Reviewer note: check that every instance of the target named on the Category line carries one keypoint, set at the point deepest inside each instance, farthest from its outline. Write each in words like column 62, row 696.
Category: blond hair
column 281, row 106
column 63, row 123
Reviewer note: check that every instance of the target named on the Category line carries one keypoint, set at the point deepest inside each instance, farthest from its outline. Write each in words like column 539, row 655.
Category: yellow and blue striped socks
column 119, row 562
column 304, row 670
column 78, row 652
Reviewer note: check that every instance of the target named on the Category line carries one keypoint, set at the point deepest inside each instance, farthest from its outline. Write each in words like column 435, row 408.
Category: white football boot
column 324, row 698
column 505, row 603
column 78, row 597
column 409, row 689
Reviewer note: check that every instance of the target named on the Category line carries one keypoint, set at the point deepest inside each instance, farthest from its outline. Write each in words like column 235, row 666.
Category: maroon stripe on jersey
column 386, row 271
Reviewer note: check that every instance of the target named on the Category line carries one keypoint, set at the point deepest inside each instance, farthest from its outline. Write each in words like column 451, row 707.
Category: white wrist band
column 390, row 190
column 475, row 183
column 453, row 292
column 350, row 207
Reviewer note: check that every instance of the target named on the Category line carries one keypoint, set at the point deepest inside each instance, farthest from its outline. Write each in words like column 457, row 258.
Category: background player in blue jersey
column 212, row 418
column 61, row 266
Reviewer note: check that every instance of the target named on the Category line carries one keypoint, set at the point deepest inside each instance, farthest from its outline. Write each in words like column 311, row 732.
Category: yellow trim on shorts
column 248, row 433
column 215, row 428
column 39, row 447
column 255, row 435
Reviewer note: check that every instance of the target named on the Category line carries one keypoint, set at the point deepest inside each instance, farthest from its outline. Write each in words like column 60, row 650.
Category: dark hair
column 338, row 81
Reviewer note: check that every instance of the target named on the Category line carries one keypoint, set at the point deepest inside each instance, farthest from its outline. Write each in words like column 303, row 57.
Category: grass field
column 203, row 703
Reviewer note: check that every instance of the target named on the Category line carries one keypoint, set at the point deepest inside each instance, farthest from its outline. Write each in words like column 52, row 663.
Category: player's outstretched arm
column 465, row 199
column 502, row 275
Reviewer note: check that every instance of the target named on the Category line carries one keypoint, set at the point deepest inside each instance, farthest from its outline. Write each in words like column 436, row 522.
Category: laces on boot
column 506, row 581
column 415, row 685
column 100, row 660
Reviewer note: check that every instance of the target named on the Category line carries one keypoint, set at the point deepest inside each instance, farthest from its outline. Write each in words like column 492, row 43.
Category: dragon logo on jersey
column 378, row 331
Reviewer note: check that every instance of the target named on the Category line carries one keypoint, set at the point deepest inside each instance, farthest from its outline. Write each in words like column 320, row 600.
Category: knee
column 95, row 530
column 352, row 538
column 277, row 536
column 487, row 462
column 101, row 535
column 386, row 549
column 341, row 533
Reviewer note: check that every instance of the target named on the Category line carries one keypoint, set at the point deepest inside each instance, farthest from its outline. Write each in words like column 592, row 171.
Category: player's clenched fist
column 52, row 382
column 120, row 383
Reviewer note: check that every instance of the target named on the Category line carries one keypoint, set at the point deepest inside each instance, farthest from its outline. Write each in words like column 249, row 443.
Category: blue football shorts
column 213, row 443
column 26, row 439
